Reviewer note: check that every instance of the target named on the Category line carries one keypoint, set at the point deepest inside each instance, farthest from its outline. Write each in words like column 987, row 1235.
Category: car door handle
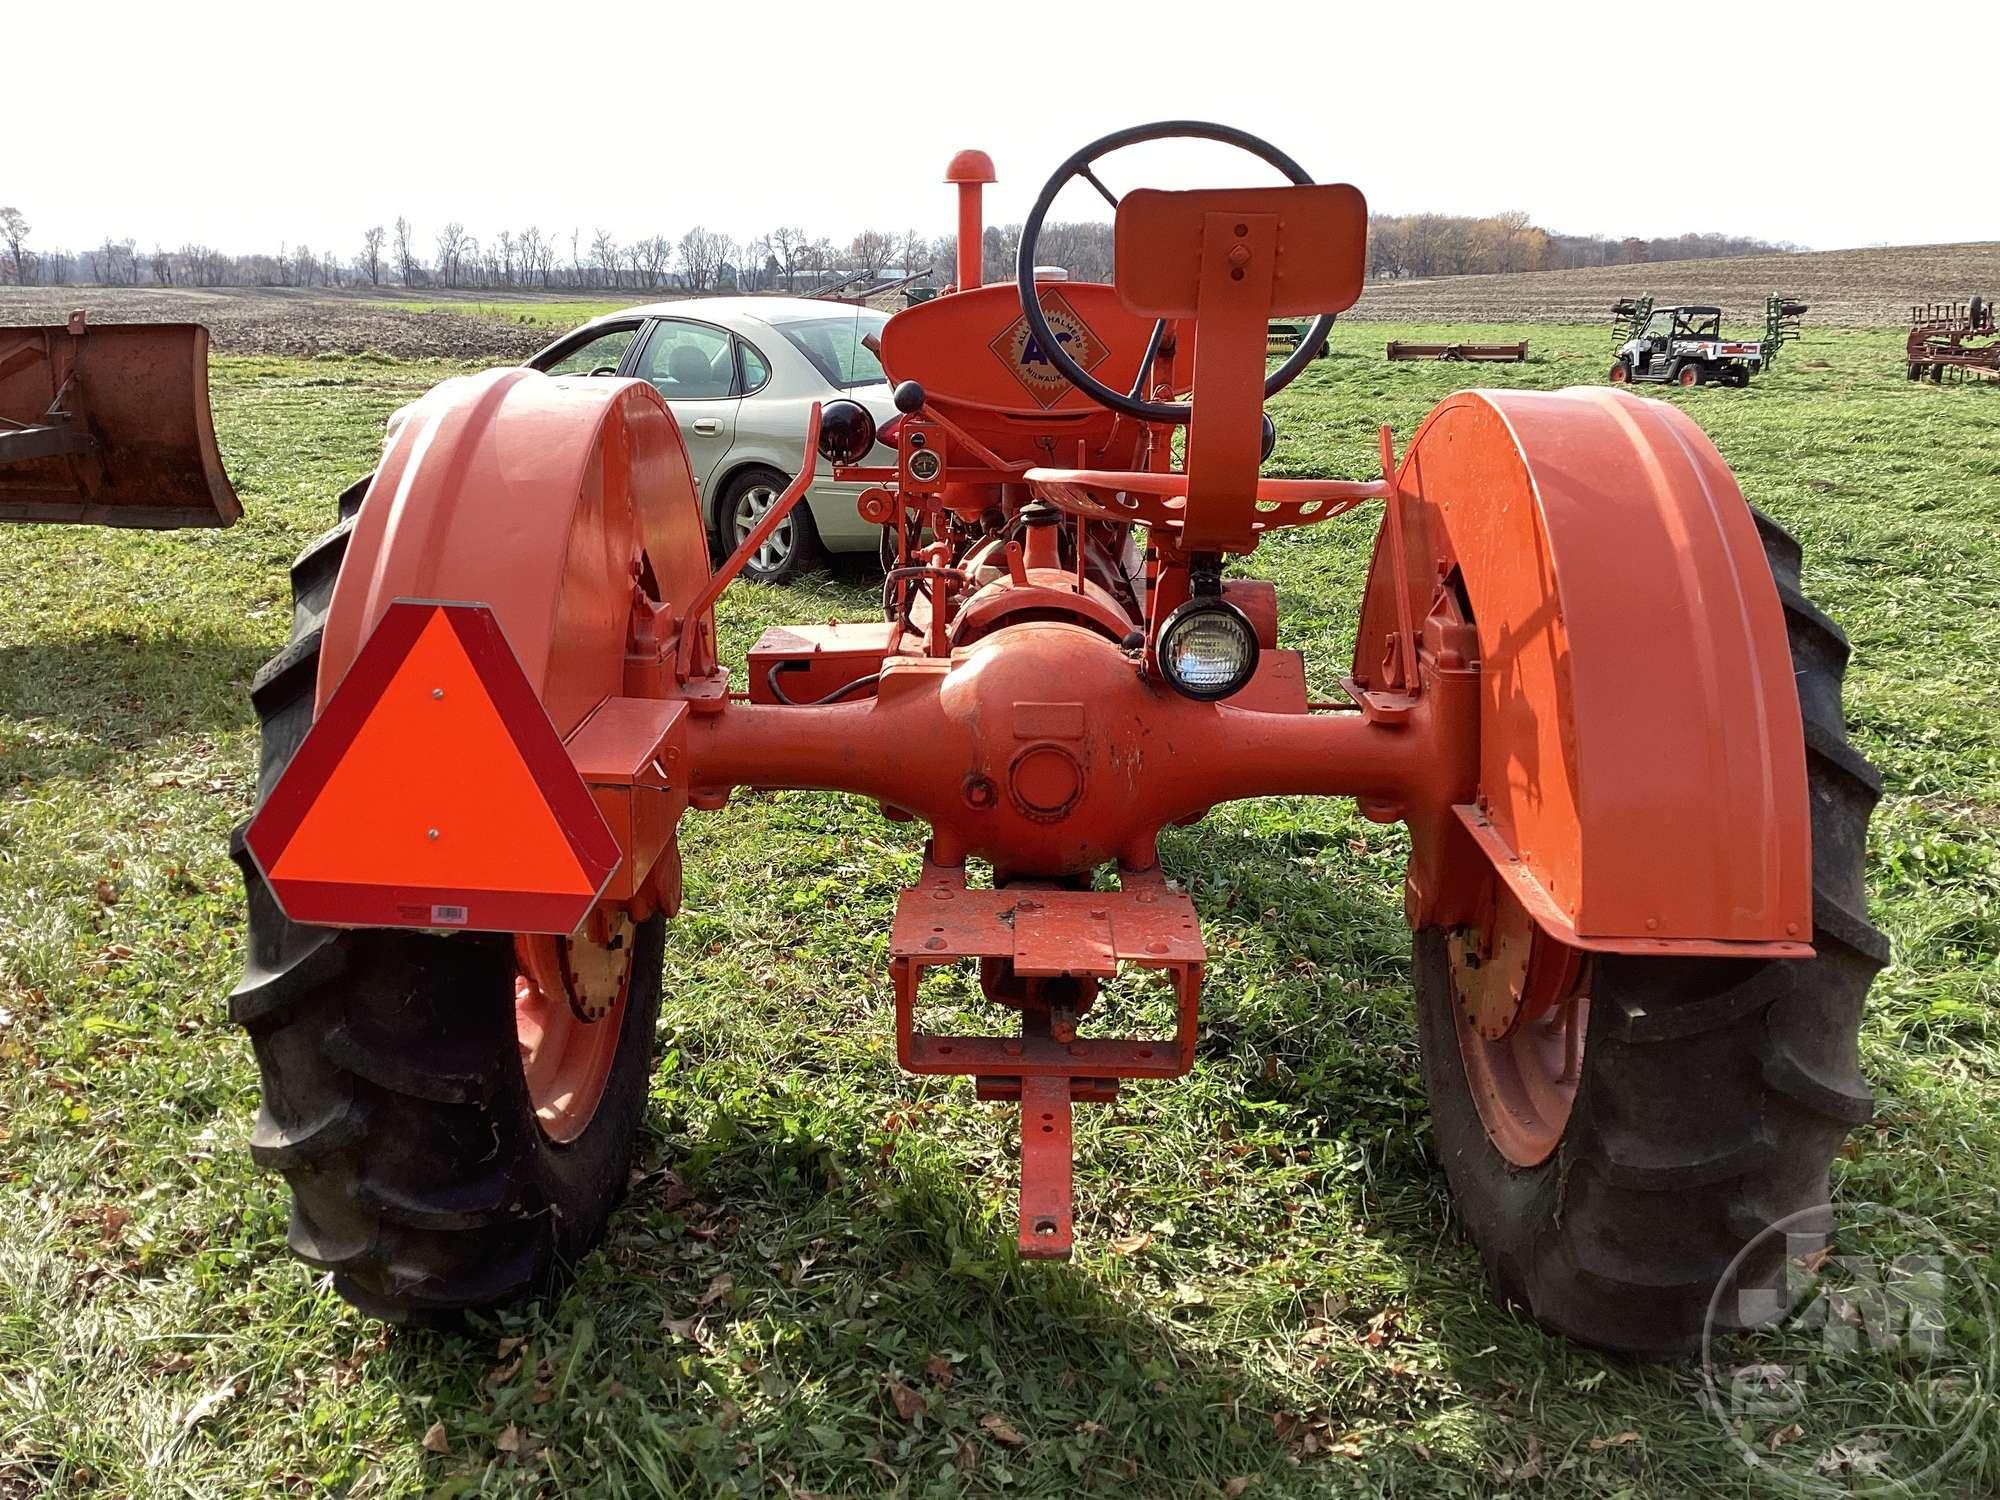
column 707, row 426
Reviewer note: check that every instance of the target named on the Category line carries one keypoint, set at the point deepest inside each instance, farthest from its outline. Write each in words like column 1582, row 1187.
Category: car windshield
column 834, row 346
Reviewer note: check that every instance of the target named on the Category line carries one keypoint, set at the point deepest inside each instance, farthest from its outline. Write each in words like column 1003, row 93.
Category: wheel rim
column 751, row 507
column 1522, row 1008
column 1619, row 375
column 569, row 1012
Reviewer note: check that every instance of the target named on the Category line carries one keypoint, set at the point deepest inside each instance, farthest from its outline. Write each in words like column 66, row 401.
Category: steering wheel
column 1130, row 402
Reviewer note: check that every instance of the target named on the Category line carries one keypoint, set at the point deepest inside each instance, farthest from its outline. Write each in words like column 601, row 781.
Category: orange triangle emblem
column 434, row 792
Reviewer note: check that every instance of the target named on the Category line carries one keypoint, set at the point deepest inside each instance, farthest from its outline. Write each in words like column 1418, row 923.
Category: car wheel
column 745, row 501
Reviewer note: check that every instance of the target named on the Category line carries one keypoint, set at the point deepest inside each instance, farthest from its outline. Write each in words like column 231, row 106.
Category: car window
column 688, row 361
column 600, row 353
column 755, row 370
column 835, row 347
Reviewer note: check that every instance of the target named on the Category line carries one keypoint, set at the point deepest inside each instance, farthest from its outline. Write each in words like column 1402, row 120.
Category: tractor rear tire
column 394, row 1100
column 1713, row 1092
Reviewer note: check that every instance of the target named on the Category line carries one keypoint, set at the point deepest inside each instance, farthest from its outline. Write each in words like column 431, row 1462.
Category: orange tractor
column 1585, row 679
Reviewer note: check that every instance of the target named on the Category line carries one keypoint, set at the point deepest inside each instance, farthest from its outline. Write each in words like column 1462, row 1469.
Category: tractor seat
column 1159, row 501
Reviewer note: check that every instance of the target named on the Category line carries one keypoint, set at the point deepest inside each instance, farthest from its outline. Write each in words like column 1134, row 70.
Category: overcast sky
column 244, row 125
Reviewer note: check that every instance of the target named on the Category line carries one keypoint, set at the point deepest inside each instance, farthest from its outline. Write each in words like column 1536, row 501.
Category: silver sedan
column 741, row 374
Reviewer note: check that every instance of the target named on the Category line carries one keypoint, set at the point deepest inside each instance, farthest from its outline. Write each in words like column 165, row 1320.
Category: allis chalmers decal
column 1021, row 352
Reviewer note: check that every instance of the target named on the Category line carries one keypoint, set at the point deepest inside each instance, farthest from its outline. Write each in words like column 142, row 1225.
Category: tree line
column 1406, row 245
column 788, row 258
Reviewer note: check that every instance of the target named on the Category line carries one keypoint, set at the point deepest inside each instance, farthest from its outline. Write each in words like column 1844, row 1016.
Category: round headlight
column 1207, row 649
column 846, row 432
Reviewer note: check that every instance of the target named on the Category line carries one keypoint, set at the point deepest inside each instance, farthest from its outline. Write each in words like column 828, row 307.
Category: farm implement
column 110, row 426
column 1957, row 336
column 1584, row 678
column 1483, row 354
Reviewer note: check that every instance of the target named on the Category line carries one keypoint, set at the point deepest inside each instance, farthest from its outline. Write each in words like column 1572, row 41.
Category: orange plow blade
column 110, row 426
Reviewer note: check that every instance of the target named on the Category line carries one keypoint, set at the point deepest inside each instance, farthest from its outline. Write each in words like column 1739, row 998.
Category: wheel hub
column 1523, row 1006
column 569, row 1006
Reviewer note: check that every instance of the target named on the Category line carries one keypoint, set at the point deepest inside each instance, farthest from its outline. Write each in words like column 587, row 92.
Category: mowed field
column 812, row 1289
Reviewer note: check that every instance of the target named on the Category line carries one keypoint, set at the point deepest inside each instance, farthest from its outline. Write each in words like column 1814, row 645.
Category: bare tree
column 787, row 243
column 203, row 265
column 371, row 255
column 408, row 266
column 653, row 257
column 535, row 252
column 504, row 252
column 303, row 265
column 113, row 263
column 703, row 253
column 14, row 233
column 604, row 253
column 869, row 251
column 816, row 258
column 453, row 246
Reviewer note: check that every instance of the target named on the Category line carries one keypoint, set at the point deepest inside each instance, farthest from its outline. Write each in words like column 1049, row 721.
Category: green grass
column 554, row 315
column 1269, row 1287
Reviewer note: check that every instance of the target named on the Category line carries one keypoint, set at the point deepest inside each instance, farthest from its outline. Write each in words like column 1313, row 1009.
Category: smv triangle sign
column 434, row 792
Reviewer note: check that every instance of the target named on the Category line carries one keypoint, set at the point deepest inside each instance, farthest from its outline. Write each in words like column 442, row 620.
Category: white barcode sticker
column 449, row 916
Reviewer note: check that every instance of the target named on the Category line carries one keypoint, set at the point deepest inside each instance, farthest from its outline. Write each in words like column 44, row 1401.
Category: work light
column 1207, row 649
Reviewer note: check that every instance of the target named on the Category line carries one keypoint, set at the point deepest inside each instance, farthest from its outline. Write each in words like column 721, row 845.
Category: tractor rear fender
column 1641, row 766
column 490, row 748
column 541, row 498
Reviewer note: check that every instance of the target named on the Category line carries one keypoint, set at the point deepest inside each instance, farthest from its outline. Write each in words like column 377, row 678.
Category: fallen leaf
column 107, row 893
column 909, row 1402
column 174, row 1364
column 939, row 1369
column 1616, row 1440
column 504, row 1373
column 1786, row 1435
column 1234, row 1488
column 1132, row 1244
column 509, row 1440
column 1002, row 1431
column 506, row 1347
column 1530, row 1467
column 1765, row 1375
column 719, row 1288
column 434, row 1439
column 681, row 1328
